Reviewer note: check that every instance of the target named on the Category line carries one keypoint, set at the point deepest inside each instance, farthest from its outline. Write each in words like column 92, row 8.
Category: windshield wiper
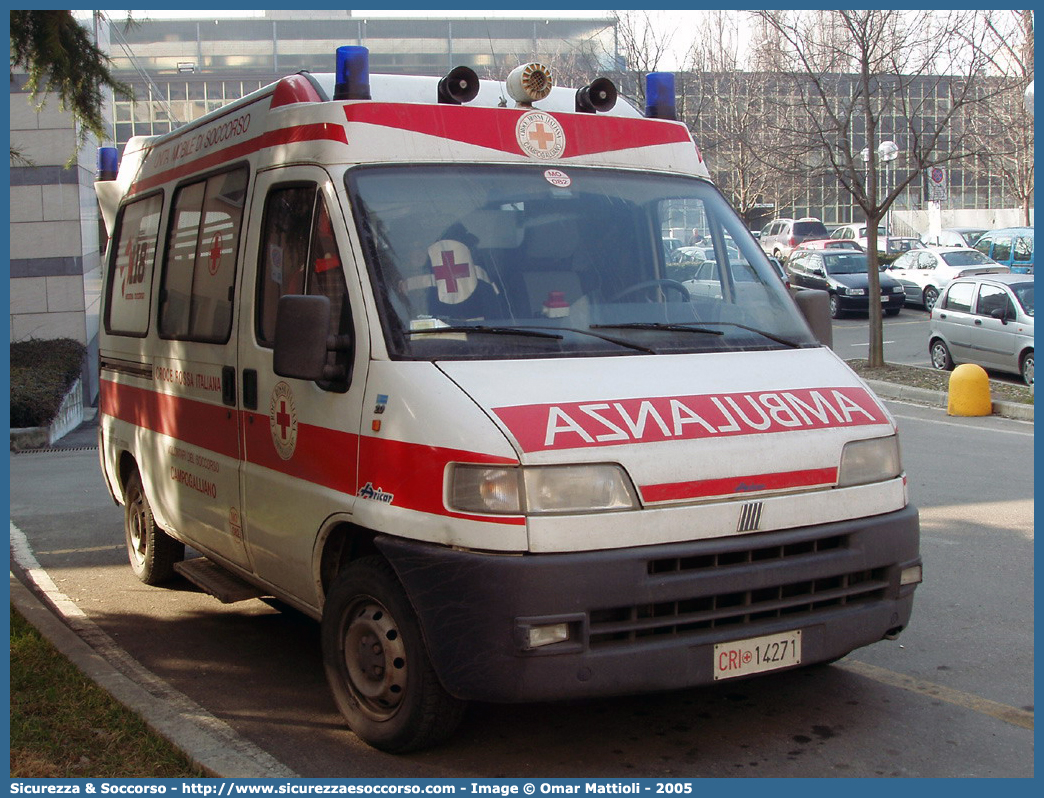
column 771, row 336
column 656, row 325
column 479, row 328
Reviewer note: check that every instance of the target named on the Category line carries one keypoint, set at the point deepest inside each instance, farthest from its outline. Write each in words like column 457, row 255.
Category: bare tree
column 861, row 77
column 725, row 108
column 642, row 46
column 1005, row 133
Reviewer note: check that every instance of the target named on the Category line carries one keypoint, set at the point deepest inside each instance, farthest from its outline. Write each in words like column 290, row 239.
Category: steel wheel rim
column 930, row 298
column 1027, row 370
column 137, row 541
column 938, row 357
column 374, row 658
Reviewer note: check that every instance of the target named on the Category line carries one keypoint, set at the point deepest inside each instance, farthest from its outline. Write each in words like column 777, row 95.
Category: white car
column 923, row 273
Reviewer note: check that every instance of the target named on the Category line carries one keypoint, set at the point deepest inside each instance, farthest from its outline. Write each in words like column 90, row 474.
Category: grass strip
column 64, row 726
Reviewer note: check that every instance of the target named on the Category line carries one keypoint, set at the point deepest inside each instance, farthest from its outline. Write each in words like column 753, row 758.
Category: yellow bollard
column 969, row 392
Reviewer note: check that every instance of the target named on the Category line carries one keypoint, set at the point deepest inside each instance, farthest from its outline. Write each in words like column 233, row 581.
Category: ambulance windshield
column 481, row 262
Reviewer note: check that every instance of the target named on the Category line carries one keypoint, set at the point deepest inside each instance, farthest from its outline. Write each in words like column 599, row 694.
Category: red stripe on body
column 494, row 128
column 321, row 131
column 413, row 472
column 730, row 486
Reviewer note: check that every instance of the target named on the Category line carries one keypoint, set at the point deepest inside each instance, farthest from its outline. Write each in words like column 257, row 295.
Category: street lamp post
column 888, row 151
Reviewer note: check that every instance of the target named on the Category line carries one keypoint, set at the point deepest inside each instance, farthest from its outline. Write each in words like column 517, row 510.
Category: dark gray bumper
column 647, row 618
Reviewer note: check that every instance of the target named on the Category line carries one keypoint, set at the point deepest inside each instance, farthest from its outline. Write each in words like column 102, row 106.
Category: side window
column 1023, row 249
column 129, row 289
column 926, row 261
column 200, row 268
column 991, row 299
column 983, row 245
column 959, row 297
column 1002, row 249
column 299, row 255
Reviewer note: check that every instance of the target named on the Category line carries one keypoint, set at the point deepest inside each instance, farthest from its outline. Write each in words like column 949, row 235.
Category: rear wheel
column 152, row 552
column 931, row 296
column 377, row 664
column 1026, row 368
column 940, row 354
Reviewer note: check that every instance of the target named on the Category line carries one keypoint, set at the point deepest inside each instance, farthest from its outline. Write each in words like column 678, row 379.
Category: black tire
column 151, row 551
column 940, row 355
column 892, row 311
column 931, row 296
column 1026, row 368
column 377, row 663
column 835, row 307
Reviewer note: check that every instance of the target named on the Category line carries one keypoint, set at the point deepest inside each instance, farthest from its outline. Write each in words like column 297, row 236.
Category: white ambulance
column 408, row 355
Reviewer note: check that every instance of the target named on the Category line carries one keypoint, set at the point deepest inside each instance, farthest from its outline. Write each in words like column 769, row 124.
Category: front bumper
column 647, row 618
column 862, row 303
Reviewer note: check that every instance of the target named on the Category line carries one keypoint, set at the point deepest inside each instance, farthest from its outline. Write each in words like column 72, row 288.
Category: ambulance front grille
column 689, row 617
column 744, row 556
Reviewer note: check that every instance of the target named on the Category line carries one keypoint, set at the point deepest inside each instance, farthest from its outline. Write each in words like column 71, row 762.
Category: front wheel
column 940, row 353
column 152, row 552
column 377, row 664
column 835, row 307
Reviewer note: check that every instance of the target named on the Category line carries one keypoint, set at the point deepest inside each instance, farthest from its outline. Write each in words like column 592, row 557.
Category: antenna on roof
column 493, row 55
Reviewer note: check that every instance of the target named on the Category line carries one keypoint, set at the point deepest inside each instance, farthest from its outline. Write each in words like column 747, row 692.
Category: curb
column 209, row 743
column 923, row 396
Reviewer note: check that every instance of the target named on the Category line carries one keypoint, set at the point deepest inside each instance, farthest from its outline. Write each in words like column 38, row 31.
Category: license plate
column 757, row 654
column 884, row 299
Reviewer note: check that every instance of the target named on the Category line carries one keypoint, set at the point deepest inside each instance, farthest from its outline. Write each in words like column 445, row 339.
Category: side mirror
column 815, row 307
column 302, row 329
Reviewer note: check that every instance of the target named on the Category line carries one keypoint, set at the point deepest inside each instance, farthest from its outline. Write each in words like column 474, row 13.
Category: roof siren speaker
column 461, row 85
column 600, row 95
column 528, row 83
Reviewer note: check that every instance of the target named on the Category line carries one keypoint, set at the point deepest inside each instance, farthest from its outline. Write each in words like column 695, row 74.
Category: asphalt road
column 952, row 697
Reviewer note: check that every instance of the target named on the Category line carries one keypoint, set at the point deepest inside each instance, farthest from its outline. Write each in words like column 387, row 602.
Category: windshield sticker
column 577, row 425
column 540, row 136
column 558, row 178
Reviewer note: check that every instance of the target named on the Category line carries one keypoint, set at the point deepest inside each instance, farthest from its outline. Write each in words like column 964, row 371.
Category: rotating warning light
column 108, row 163
column 659, row 95
column 530, row 82
column 353, row 73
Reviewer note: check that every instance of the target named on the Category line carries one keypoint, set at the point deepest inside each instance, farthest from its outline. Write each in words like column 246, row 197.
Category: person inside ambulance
column 453, row 287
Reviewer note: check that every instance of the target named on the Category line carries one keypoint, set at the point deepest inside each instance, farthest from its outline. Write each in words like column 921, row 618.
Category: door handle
column 228, row 385
column 250, row 389
column 978, row 322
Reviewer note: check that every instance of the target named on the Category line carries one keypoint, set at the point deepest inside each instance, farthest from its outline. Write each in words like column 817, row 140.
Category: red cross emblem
column 283, row 419
column 541, row 136
column 450, row 270
column 215, row 253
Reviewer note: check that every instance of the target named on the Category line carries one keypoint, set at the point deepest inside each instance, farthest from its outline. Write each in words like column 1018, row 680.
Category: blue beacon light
column 108, row 163
column 659, row 95
column 353, row 73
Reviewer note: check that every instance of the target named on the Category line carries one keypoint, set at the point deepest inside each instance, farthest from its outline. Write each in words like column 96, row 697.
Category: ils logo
column 540, row 136
column 282, row 420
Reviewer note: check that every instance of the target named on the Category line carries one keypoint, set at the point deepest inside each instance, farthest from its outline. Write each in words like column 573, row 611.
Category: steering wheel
column 645, row 285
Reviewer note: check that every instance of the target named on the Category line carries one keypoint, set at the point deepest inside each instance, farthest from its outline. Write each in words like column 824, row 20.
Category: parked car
column 706, row 279
column 780, row 236
column 897, row 244
column 828, row 243
column 843, row 273
column 954, row 237
column 857, row 232
column 923, row 273
column 1012, row 246
column 670, row 246
column 988, row 320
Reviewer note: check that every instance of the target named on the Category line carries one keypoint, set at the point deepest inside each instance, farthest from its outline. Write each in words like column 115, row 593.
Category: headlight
column 897, row 289
column 856, row 291
column 873, row 460
column 540, row 490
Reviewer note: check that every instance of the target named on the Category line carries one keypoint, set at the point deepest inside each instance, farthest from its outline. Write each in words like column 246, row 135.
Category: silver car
column 986, row 320
column 924, row 273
